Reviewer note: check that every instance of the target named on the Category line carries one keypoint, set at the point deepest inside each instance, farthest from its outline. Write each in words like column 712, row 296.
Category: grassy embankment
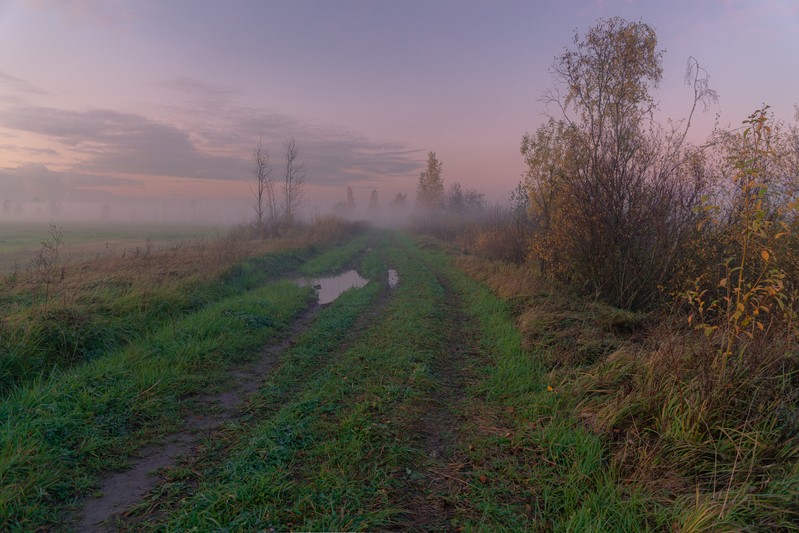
column 65, row 426
column 649, row 452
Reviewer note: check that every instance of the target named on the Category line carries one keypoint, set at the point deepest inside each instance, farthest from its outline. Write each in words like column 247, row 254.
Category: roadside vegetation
column 657, row 285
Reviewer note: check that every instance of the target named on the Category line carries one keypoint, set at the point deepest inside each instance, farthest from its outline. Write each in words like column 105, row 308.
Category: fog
column 165, row 211
column 182, row 211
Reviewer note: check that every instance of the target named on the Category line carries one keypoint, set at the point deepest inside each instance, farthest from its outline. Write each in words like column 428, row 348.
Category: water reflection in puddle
column 330, row 288
column 393, row 278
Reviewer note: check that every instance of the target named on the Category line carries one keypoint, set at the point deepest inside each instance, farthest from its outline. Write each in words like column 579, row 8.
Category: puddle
column 393, row 278
column 330, row 288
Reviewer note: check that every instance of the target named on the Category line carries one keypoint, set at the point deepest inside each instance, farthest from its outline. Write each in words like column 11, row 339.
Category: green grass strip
column 337, row 258
column 58, row 433
column 544, row 471
column 110, row 317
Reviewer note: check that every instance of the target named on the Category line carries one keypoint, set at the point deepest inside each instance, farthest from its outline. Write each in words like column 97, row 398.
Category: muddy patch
column 331, row 287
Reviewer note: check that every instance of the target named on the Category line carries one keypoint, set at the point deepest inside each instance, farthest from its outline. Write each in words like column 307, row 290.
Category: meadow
column 21, row 241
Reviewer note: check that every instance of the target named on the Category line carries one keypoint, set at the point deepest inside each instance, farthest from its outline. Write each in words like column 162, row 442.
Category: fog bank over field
column 166, row 211
column 179, row 211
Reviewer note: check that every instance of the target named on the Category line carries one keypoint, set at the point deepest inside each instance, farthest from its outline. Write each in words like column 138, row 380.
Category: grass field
column 420, row 407
column 20, row 241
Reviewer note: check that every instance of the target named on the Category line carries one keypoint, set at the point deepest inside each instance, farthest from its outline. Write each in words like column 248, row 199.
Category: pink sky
column 105, row 101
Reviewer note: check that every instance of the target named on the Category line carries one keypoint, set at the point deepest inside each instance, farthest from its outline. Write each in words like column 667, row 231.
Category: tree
column 611, row 192
column 263, row 193
column 399, row 202
column 473, row 201
column 455, row 200
column 430, row 190
column 293, row 182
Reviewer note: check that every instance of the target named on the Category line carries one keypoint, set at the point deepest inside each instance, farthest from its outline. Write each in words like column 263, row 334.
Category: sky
column 160, row 103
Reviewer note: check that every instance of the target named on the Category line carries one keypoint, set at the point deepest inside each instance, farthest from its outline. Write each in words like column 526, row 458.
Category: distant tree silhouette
column 430, row 190
column 293, row 182
column 263, row 193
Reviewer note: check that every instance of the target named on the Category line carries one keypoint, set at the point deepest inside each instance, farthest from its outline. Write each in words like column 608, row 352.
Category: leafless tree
column 263, row 192
column 293, row 182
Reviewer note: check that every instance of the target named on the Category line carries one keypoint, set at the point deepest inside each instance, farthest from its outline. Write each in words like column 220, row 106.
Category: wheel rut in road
column 120, row 490
column 431, row 498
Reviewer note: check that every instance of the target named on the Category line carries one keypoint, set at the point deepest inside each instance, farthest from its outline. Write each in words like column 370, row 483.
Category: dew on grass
column 393, row 278
column 329, row 288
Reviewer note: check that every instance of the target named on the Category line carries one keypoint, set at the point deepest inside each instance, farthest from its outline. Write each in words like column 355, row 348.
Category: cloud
column 11, row 186
column 334, row 155
column 29, row 150
column 112, row 142
column 35, row 180
column 14, row 90
column 197, row 92
column 206, row 137
column 18, row 85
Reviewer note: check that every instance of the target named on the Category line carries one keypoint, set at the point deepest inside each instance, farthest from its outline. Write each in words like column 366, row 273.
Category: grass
column 472, row 397
column 671, row 455
column 100, row 306
column 326, row 438
column 38, row 339
column 335, row 439
column 21, row 236
column 68, row 427
column 64, row 427
column 337, row 258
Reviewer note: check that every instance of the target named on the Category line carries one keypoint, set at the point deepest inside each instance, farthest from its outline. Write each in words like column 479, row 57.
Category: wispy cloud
column 335, row 156
column 198, row 93
column 35, row 180
column 18, row 85
column 28, row 151
column 209, row 143
column 14, row 90
column 122, row 143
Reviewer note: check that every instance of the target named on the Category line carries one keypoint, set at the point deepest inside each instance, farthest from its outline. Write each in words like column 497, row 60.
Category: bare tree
column 293, row 182
column 263, row 192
